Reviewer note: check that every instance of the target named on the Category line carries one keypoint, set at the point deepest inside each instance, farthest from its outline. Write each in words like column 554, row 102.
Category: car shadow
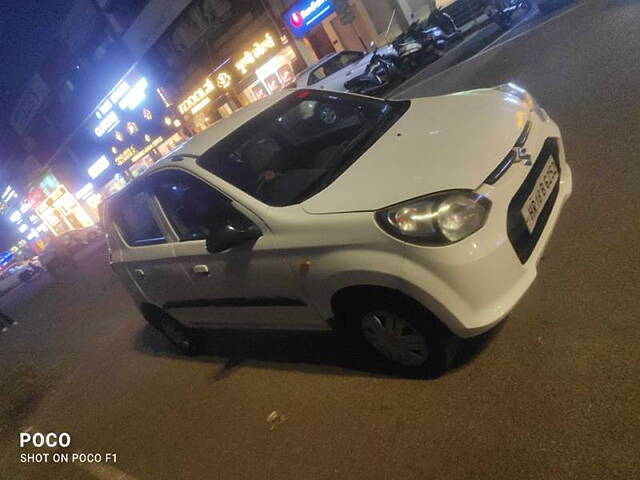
column 306, row 351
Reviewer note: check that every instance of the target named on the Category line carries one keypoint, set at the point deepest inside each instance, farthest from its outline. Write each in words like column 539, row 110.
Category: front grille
column 522, row 240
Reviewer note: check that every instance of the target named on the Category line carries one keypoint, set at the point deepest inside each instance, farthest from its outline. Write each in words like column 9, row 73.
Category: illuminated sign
column 257, row 51
column 15, row 217
column 97, row 168
column 119, row 92
column 7, row 192
column 126, row 155
column 147, row 149
column 85, row 191
column 223, row 80
column 25, row 207
column 23, row 228
column 107, row 124
column 202, row 96
column 125, row 97
column 5, row 258
column 306, row 14
column 197, row 96
column 134, row 96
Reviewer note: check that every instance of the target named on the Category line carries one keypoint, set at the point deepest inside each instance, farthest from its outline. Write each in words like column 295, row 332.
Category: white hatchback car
column 334, row 70
column 405, row 223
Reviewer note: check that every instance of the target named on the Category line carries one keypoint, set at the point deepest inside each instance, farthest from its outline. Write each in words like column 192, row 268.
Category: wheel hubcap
column 394, row 338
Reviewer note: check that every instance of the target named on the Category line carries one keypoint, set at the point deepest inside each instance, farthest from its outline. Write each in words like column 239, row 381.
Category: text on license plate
column 540, row 194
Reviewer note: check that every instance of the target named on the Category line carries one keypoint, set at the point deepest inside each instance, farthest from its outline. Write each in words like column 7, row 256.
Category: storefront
column 317, row 23
column 264, row 66
column 56, row 207
column 134, row 127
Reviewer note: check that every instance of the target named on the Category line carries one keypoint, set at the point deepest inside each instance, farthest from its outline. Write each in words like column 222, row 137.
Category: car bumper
column 474, row 284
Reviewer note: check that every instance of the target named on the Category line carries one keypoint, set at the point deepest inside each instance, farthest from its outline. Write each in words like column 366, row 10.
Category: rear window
column 133, row 216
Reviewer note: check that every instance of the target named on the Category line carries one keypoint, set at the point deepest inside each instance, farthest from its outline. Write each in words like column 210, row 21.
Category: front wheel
column 407, row 337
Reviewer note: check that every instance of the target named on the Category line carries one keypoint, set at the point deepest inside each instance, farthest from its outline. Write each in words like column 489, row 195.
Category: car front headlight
column 438, row 219
column 522, row 95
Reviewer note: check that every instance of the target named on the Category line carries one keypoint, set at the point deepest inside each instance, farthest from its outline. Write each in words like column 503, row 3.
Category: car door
column 145, row 255
column 249, row 285
column 336, row 71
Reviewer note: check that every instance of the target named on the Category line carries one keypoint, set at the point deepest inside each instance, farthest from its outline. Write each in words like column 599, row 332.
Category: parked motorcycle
column 419, row 46
column 380, row 72
column 501, row 11
column 442, row 20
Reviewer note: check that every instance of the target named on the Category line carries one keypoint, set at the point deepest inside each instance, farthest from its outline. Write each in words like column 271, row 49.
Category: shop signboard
column 5, row 259
column 49, row 184
column 36, row 196
column 256, row 52
column 306, row 14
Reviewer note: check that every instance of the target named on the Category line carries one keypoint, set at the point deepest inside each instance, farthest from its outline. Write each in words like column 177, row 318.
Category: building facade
column 127, row 81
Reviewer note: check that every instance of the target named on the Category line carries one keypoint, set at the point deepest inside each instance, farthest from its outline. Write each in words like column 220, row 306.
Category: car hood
column 440, row 143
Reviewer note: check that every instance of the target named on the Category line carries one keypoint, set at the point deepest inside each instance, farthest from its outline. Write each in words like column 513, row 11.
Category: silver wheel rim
column 176, row 333
column 394, row 338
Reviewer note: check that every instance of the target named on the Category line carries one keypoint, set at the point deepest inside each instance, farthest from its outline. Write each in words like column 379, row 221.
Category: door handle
column 138, row 272
column 201, row 270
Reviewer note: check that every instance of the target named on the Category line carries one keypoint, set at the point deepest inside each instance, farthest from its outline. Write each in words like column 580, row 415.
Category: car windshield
column 300, row 145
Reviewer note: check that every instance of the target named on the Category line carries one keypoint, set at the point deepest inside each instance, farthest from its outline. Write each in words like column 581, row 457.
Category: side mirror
column 232, row 235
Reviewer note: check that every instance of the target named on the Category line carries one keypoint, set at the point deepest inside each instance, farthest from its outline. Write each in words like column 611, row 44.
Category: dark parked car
column 59, row 252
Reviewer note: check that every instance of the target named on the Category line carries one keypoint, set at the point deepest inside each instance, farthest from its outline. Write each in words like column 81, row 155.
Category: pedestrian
column 6, row 321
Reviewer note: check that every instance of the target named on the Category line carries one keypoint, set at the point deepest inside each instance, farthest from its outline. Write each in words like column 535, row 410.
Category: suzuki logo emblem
column 522, row 155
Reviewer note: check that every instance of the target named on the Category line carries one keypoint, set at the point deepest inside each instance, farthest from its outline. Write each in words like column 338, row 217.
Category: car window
column 317, row 75
column 193, row 208
column 333, row 65
column 345, row 58
column 132, row 214
column 305, row 140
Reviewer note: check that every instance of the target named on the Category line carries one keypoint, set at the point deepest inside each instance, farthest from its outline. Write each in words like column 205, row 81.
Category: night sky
column 26, row 30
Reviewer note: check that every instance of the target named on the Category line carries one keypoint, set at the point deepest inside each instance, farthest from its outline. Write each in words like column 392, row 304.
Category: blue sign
column 5, row 258
column 306, row 14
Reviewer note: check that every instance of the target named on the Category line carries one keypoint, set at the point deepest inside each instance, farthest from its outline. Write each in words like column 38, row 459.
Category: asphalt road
column 552, row 394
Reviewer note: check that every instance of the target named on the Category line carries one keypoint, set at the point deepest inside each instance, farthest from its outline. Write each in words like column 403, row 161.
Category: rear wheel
column 407, row 337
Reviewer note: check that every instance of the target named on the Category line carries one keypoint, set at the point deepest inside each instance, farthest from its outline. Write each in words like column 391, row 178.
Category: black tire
column 441, row 344
column 184, row 339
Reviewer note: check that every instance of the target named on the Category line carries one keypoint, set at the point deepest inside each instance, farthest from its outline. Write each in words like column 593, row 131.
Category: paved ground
column 553, row 394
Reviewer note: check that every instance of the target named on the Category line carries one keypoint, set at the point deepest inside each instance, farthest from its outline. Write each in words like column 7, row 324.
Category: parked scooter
column 419, row 46
column 442, row 20
column 501, row 11
column 380, row 72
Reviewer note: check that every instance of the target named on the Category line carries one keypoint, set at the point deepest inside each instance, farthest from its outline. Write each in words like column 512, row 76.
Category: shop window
column 133, row 216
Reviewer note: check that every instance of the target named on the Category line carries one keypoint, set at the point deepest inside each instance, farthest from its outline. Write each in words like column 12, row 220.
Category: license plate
column 540, row 194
